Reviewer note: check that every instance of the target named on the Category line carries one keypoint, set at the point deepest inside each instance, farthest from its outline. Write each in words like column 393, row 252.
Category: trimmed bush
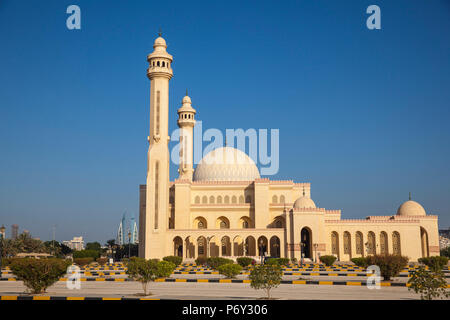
column 39, row 274
column 445, row 252
column 328, row 260
column 83, row 261
column 86, row 254
column 146, row 271
column 360, row 262
column 200, row 261
column 215, row 262
column 435, row 263
column 102, row 261
column 174, row 259
column 230, row 270
column 245, row 261
column 390, row 265
column 266, row 277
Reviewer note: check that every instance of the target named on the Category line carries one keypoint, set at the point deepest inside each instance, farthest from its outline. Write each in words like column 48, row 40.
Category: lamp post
column 315, row 245
column 302, row 245
column 129, row 246
column 2, row 232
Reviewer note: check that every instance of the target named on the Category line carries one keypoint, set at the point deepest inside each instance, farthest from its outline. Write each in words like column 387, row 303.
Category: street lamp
column 315, row 245
column 129, row 247
column 2, row 232
column 302, row 245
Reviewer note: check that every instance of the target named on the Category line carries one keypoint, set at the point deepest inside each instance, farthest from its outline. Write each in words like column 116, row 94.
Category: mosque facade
column 224, row 208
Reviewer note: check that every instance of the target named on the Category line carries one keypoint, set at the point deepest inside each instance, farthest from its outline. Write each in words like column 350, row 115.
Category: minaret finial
column 186, row 92
column 160, row 32
column 409, row 195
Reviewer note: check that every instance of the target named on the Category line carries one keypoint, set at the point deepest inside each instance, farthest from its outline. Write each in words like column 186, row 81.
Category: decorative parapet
column 217, row 183
column 281, row 182
column 180, row 181
column 332, row 211
column 344, row 221
column 309, row 210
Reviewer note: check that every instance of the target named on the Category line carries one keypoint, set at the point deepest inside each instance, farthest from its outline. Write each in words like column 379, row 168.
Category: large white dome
column 411, row 208
column 226, row 164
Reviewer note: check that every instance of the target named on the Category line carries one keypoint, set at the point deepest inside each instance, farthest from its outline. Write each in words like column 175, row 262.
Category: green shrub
column 174, row 259
column 6, row 262
column 200, row 261
column 39, row 274
column 360, row 262
column 266, row 277
column 146, row 271
column 230, row 270
column 245, row 261
column 102, row 261
column 390, row 265
column 429, row 284
column 445, row 252
column 272, row 261
column 83, row 261
column 435, row 263
column 328, row 260
column 215, row 262
column 283, row 261
column 86, row 254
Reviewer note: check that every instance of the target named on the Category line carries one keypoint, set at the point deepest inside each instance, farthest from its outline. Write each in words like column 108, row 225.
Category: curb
column 58, row 298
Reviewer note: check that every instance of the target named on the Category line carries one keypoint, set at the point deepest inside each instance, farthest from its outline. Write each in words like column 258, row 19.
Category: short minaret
column 154, row 223
column 186, row 122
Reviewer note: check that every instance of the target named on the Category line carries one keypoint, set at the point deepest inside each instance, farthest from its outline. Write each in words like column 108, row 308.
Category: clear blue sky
column 363, row 115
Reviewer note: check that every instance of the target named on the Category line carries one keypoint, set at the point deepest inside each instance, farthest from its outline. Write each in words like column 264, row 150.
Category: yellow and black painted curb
column 56, row 298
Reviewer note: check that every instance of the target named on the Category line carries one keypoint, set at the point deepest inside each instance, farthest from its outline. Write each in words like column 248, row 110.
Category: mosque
column 224, row 208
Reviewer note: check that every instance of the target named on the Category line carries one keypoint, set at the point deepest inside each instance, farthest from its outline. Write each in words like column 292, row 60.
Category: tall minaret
column 155, row 222
column 186, row 122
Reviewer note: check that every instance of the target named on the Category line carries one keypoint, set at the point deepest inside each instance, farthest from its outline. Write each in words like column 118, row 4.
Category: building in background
column 76, row 243
column 14, row 231
column 127, row 233
column 3, row 232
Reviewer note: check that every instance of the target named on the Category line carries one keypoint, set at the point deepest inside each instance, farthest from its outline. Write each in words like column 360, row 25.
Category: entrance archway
column 250, row 246
column 305, row 240
column 275, row 247
column 262, row 246
column 424, row 242
column 178, row 247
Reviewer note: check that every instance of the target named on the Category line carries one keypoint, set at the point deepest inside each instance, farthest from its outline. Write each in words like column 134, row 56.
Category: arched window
column 383, row 243
column 227, row 199
column 233, row 199
column 282, row 199
column 274, row 199
column 163, row 64
column 219, row 199
column 347, row 243
column 245, row 224
column 359, row 243
column 371, row 243
column 396, row 243
column 334, row 243
column 197, row 199
column 223, row 225
column 201, row 225
column 241, row 199
column 205, row 199
column 157, row 63
column 211, row 199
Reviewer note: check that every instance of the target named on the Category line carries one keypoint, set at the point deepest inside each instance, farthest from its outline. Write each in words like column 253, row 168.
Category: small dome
column 226, row 164
column 160, row 42
column 304, row 202
column 411, row 208
column 186, row 99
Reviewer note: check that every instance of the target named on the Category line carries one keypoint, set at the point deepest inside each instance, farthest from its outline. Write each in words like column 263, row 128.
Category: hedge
column 215, row 262
column 360, row 262
column 435, row 263
column 230, row 270
column 390, row 265
column 328, row 260
column 83, row 261
column 174, row 259
column 245, row 261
